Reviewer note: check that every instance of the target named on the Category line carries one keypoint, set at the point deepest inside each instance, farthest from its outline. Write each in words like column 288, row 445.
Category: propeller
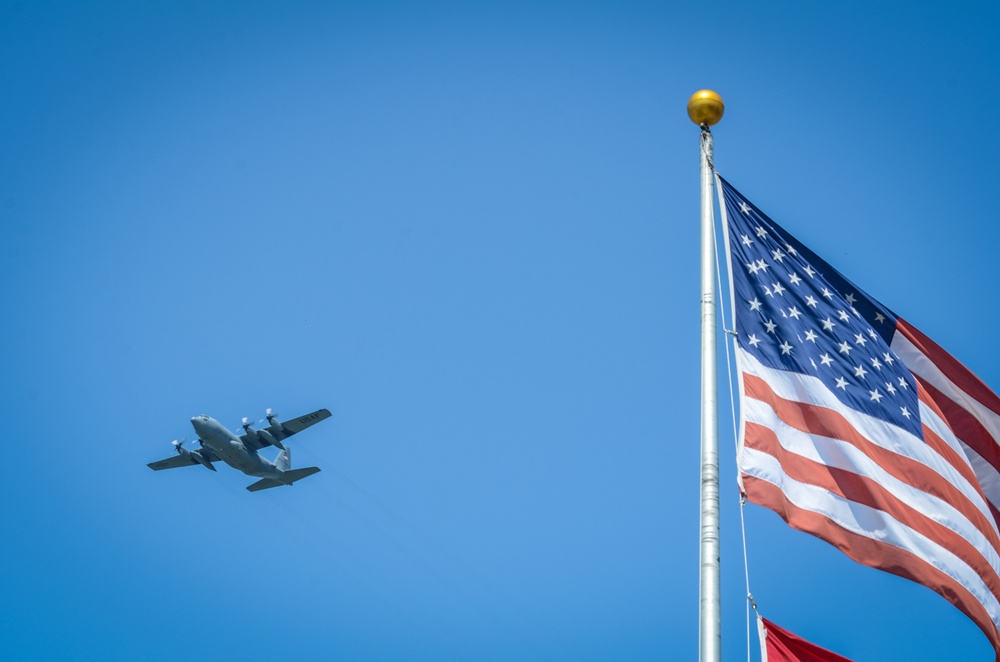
column 270, row 416
column 179, row 444
column 247, row 424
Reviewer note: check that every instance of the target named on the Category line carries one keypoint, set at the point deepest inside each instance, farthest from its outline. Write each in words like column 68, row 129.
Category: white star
column 860, row 372
column 827, row 293
column 771, row 326
column 825, row 359
column 828, row 324
column 794, row 312
column 876, row 364
column 876, row 396
column 777, row 255
column 813, row 364
column 844, row 316
column 785, row 348
column 903, row 384
column 810, row 335
column 747, row 240
column 889, row 387
column 761, row 232
column 778, row 289
column 744, row 207
column 753, row 268
column 850, row 299
column 791, row 249
column 888, row 358
column 871, row 332
column 753, row 340
column 754, row 305
column 905, row 412
column 809, row 271
column 762, row 265
column 860, row 339
column 845, row 348
column 841, row 383
column 794, row 279
column 767, row 291
column 810, row 301
column 879, row 317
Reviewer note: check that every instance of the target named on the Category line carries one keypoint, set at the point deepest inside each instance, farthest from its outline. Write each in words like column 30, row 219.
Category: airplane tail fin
column 284, row 460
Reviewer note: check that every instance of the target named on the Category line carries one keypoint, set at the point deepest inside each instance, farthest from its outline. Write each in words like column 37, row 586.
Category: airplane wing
column 280, row 431
column 186, row 460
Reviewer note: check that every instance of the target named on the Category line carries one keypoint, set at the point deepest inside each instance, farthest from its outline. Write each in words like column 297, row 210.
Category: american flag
column 859, row 429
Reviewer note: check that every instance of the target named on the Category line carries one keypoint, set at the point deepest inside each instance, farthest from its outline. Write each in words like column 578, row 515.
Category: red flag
column 780, row 645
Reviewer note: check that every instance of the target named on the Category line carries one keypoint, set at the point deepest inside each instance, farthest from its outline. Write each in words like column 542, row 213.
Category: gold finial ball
column 705, row 107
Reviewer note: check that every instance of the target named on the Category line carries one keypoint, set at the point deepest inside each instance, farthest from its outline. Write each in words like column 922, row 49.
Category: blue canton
column 794, row 312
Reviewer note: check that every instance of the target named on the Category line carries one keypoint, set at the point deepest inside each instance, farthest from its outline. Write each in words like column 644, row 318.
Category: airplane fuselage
column 230, row 449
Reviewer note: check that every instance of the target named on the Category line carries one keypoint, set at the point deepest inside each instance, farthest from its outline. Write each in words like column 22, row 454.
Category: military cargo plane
column 240, row 452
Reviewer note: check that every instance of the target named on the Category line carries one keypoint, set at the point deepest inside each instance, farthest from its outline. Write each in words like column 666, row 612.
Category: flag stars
column 745, row 208
column 761, row 232
column 810, row 335
column 827, row 293
column 755, row 304
column 850, row 299
column 770, row 325
column 791, row 250
column 828, row 324
column 859, row 339
column 753, row 340
column 786, row 348
column 887, row 357
column 762, row 265
column 880, row 318
column 843, row 316
column 794, row 313
column 903, row 384
column 860, row 372
column 875, row 395
column 876, row 364
column 794, row 279
column 778, row 255
column 778, row 289
column 890, row 388
column 811, row 301
column 841, row 383
column 747, row 240
column 844, row 348
column 809, row 271
column 825, row 359
column 872, row 334
column 905, row 412
column 753, row 268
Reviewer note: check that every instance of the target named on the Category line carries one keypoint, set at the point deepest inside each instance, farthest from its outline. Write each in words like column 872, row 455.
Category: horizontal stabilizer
column 286, row 478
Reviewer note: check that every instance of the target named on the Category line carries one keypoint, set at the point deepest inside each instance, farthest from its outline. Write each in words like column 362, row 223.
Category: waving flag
column 780, row 645
column 859, row 429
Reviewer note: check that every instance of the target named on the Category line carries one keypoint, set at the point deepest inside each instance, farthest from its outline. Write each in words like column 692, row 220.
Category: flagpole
column 705, row 108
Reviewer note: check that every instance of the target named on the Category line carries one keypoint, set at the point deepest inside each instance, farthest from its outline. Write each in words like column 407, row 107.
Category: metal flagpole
column 705, row 108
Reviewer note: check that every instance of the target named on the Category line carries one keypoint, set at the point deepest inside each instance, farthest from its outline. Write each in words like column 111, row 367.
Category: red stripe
column 959, row 375
column 943, row 448
column 825, row 422
column 965, row 426
column 868, row 492
column 873, row 553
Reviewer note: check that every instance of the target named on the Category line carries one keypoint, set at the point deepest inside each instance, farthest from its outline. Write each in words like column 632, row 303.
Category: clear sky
column 470, row 230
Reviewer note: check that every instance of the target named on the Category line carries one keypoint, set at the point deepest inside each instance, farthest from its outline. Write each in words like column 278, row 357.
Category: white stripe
column 921, row 365
column 873, row 524
column 810, row 390
column 843, row 455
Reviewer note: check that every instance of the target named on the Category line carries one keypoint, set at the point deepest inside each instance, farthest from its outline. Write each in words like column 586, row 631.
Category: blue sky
column 471, row 232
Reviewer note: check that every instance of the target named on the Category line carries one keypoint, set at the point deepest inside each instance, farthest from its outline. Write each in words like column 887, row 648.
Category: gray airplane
column 240, row 452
